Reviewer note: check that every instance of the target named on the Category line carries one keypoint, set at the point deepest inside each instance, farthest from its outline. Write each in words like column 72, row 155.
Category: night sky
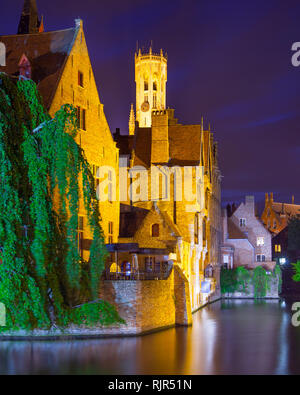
column 228, row 60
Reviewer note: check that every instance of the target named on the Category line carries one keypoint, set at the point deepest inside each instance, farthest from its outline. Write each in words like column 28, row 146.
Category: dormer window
column 80, row 79
column 155, row 230
column 242, row 222
column 24, row 67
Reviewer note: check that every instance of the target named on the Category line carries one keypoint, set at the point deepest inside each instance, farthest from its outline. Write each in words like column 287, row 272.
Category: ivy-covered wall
column 257, row 283
column 41, row 273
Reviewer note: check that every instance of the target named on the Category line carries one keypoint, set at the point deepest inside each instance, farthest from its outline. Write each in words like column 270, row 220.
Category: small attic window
column 80, row 79
column 24, row 67
column 155, row 230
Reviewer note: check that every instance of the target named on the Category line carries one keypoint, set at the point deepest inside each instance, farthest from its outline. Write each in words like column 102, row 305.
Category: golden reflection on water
column 228, row 337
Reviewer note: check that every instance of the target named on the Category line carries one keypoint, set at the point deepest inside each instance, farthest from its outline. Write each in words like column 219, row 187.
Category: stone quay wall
column 150, row 305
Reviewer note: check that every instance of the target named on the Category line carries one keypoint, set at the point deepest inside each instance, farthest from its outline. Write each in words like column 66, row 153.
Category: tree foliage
column 241, row 279
column 43, row 173
column 296, row 266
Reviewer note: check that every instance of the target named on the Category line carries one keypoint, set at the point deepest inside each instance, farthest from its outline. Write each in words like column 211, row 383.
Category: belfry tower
column 29, row 21
column 151, row 80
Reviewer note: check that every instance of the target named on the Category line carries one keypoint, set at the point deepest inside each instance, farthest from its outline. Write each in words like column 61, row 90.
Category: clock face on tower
column 145, row 106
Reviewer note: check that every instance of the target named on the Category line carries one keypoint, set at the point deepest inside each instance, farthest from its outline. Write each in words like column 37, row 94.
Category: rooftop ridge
column 39, row 34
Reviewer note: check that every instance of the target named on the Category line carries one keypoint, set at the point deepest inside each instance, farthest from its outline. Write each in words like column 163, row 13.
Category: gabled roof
column 184, row 145
column 286, row 209
column 47, row 54
column 173, row 227
column 234, row 232
column 131, row 218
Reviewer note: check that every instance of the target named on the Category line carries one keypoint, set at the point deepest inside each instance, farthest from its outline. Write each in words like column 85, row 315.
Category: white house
column 246, row 242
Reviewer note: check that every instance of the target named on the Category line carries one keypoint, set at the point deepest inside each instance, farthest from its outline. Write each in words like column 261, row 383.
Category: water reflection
column 228, row 337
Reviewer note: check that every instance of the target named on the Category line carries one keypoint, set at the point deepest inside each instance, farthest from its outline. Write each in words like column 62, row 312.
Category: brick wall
column 150, row 305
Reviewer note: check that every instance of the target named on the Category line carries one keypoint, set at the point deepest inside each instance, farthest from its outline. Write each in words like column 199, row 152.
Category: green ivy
column 240, row 279
column 296, row 267
column 40, row 269
column 92, row 313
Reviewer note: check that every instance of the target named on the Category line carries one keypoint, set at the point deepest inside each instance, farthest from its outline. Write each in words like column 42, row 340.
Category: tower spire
column 41, row 27
column 131, row 121
column 29, row 21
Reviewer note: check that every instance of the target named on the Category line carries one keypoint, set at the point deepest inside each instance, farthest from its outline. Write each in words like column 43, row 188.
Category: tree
column 296, row 277
column 42, row 174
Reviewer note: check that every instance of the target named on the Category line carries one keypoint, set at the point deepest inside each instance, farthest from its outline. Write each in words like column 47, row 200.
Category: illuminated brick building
column 189, row 230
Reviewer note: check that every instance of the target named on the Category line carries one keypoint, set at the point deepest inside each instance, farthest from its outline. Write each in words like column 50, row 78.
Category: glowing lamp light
column 282, row 261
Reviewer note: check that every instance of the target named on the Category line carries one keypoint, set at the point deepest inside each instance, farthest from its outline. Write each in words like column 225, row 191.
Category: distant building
column 276, row 215
column 246, row 242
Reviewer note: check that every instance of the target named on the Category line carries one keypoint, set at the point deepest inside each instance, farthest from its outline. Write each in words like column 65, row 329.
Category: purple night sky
column 229, row 61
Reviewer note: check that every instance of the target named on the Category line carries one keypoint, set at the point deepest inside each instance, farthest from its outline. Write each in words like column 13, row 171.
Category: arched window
column 155, row 86
column 206, row 199
column 155, row 230
column 204, row 229
column 196, row 229
column 146, row 85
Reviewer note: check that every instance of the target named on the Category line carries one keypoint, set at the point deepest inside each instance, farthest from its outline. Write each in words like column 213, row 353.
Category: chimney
column 225, row 225
column 78, row 23
column 250, row 204
column 160, row 137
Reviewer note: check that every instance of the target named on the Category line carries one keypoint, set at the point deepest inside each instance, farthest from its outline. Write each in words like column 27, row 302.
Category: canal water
column 228, row 337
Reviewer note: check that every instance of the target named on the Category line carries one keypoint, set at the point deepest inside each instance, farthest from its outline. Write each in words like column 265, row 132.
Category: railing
column 139, row 275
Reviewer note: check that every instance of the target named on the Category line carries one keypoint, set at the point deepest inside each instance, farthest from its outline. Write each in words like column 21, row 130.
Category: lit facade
column 151, row 80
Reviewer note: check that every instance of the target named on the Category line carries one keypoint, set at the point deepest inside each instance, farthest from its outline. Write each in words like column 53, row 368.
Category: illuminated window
column 155, row 230
column 96, row 178
column 155, row 86
column 80, row 79
column 242, row 222
column 225, row 259
column 110, row 232
column 260, row 258
column 196, row 229
column 154, row 101
column 277, row 248
column 149, row 264
column 260, row 241
column 81, row 118
column 204, row 230
column 146, row 85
